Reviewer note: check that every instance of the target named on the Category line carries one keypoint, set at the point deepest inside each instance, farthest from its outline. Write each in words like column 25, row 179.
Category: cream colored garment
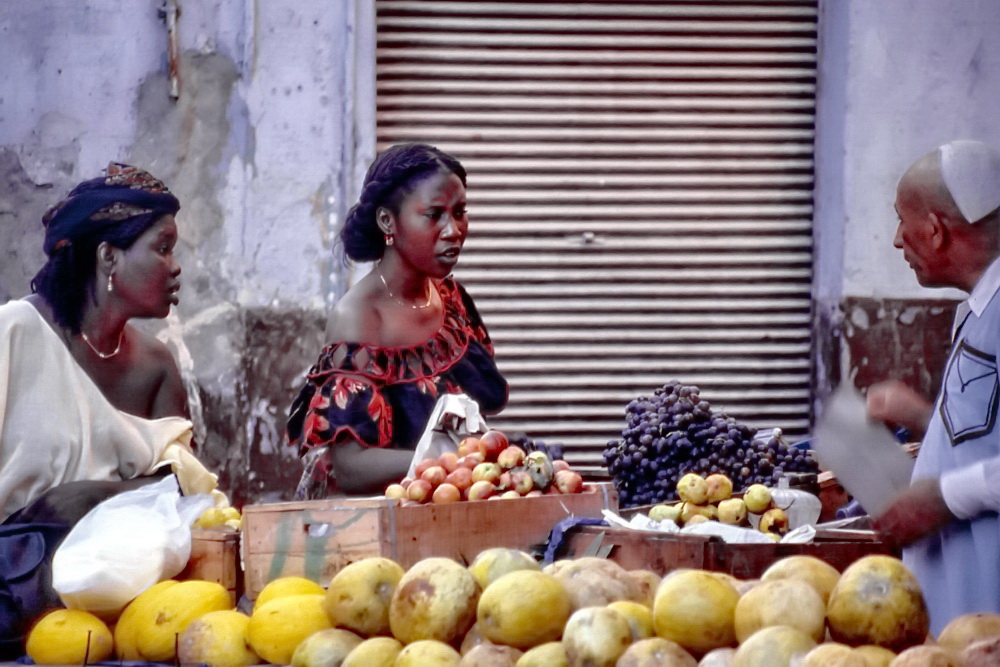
column 56, row 426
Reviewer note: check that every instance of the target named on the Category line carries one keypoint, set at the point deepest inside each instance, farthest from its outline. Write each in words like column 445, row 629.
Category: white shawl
column 56, row 426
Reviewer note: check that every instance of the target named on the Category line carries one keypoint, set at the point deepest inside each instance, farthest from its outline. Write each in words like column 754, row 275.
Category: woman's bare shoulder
column 355, row 318
column 155, row 361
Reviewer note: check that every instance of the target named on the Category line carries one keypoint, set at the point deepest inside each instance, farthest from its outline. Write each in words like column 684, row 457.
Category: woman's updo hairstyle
column 392, row 176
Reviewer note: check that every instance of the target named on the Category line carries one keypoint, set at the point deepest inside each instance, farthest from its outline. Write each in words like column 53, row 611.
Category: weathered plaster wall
column 264, row 147
column 896, row 79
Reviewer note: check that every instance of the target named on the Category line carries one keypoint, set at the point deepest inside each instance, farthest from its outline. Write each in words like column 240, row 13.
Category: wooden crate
column 662, row 553
column 316, row 538
column 215, row 556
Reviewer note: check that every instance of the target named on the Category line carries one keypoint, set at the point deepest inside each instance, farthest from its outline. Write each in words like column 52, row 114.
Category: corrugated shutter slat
column 640, row 194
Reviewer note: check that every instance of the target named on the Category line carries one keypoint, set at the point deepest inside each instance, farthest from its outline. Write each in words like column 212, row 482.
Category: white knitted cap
column 971, row 172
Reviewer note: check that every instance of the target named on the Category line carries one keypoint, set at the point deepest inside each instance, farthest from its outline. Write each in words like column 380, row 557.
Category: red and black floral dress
column 383, row 396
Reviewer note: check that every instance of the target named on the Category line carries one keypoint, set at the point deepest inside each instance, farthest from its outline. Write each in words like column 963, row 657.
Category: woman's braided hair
column 392, row 176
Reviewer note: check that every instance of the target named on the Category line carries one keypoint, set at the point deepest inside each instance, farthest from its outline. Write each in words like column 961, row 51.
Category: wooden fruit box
column 215, row 556
column 316, row 538
column 662, row 553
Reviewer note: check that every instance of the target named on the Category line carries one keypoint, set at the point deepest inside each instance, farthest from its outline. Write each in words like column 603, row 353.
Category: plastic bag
column 455, row 417
column 125, row 545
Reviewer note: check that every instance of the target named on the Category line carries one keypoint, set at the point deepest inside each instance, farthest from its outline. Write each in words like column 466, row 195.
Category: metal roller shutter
column 640, row 195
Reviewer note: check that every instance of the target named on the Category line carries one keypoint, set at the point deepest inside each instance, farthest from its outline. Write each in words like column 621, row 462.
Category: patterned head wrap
column 124, row 193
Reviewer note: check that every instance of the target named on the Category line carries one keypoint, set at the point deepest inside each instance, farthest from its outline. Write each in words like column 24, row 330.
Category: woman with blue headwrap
column 88, row 403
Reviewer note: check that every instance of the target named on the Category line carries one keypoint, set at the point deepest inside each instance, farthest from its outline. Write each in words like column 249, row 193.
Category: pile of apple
column 485, row 467
column 710, row 499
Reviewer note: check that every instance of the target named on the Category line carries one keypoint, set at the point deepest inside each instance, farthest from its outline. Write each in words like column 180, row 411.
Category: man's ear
column 938, row 231
column 385, row 220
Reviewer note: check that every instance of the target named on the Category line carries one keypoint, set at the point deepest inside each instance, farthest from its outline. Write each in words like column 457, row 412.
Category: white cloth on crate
column 57, row 427
column 959, row 568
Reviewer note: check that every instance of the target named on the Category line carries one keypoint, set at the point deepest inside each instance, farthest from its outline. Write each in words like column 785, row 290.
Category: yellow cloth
column 56, row 426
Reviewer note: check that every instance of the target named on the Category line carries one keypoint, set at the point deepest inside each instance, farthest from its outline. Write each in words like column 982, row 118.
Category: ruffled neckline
column 392, row 365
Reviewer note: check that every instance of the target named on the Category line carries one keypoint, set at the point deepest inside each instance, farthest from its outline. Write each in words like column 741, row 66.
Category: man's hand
column 894, row 402
column 915, row 513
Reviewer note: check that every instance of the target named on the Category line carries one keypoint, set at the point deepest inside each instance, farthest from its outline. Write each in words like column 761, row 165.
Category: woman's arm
column 361, row 470
column 171, row 400
column 69, row 502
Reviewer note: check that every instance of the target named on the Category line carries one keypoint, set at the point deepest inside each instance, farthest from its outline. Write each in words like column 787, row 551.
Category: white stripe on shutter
column 640, row 196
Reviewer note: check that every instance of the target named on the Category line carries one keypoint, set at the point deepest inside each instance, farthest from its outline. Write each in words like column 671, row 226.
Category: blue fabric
column 558, row 535
column 25, row 580
column 959, row 567
column 73, row 217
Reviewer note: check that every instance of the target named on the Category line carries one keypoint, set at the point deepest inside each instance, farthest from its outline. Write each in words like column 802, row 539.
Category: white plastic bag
column 455, row 416
column 125, row 545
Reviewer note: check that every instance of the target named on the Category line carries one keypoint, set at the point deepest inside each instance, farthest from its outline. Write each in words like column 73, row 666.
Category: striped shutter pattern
column 640, row 196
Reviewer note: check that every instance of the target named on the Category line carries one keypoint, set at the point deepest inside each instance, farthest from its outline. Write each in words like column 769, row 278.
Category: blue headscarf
column 125, row 193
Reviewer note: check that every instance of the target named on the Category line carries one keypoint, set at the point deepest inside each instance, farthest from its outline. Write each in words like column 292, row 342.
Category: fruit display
column 228, row 517
column 675, row 432
column 486, row 467
column 710, row 499
column 506, row 610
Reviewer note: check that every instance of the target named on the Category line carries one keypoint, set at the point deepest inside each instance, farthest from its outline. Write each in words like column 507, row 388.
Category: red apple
column 489, row 472
column 448, row 461
column 471, row 444
column 511, row 457
column 471, row 460
column 446, row 493
column 510, row 494
column 559, row 464
column 435, row 475
column 480, row 490
column 504, row 482
column 568, row 481
column 522, row 482
column 422, row 466
column 461, row 478
column 494, row 442
column 395, row 491
column 419, row 491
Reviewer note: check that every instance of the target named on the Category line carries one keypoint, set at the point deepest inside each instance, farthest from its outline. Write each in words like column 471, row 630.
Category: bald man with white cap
column 948, row 203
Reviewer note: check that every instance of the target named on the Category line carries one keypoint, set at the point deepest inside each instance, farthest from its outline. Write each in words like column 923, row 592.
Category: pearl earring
column 111, row 286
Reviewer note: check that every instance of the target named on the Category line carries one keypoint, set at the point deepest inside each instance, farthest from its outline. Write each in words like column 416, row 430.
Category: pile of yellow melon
column 505, row 610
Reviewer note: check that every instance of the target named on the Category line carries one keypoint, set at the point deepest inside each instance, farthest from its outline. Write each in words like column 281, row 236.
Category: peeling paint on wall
column 866, row 341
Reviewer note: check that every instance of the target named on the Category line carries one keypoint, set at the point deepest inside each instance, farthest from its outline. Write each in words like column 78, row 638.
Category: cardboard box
column 662, row 553
column 316, row 538
column 215, row 556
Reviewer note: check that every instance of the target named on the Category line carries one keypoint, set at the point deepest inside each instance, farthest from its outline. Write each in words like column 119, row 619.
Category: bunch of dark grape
column 674, row 432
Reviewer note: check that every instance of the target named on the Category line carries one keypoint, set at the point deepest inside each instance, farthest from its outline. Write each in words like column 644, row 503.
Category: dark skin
column 142, row 378
column 428, row 231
